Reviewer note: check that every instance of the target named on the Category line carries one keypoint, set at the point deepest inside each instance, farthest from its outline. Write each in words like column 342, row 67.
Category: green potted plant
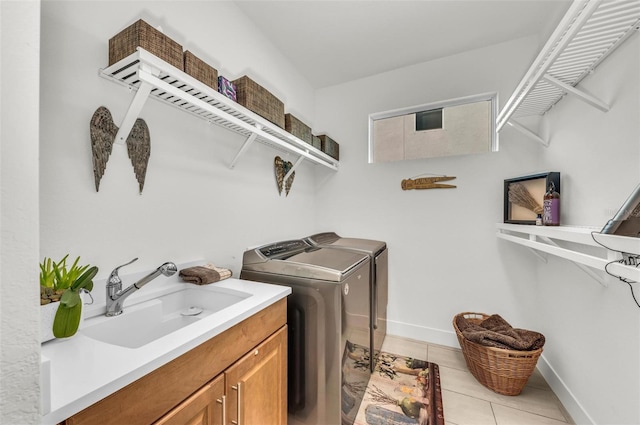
column 60, row 288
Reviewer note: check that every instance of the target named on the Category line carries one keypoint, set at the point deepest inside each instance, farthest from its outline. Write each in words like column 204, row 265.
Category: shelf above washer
column 150, row 76
column 575, row 244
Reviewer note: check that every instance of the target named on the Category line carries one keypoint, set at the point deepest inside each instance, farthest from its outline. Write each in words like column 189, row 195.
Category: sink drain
column 191, row 311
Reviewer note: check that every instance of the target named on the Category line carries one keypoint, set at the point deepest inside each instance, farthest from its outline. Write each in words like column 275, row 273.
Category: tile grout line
column 508, row 406
column 493, row 412
column 527, row 412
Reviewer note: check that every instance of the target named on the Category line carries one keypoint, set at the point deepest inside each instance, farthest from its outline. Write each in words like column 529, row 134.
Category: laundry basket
column 502, row 371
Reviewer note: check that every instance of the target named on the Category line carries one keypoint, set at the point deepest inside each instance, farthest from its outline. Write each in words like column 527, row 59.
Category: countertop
column 84, row 370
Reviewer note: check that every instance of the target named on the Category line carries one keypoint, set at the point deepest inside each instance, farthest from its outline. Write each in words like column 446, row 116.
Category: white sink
column 148, row 321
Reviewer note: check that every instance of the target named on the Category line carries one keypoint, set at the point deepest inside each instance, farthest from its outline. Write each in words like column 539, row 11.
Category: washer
column 328, row 319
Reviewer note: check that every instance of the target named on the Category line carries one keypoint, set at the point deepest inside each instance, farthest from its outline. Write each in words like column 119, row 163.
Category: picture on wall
column 524, row 196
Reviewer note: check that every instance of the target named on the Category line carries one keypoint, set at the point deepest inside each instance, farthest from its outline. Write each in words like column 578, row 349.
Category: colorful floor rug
column 402, row 390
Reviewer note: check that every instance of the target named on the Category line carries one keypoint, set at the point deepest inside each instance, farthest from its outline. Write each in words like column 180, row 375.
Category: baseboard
column 423, row 333
column 449, row 339
column 568, row 400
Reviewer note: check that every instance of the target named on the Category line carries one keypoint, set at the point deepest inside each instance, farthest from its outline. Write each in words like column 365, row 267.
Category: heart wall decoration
column 281, row 168
column 103, row 133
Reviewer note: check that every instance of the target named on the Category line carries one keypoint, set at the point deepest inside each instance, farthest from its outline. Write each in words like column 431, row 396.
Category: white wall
column 594, row 332
column 193, row 206
column 19, row 311
column 442, row 246
column 444, row 256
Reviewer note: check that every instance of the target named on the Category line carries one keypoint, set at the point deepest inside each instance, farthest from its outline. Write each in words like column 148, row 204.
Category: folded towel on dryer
column 202, row 275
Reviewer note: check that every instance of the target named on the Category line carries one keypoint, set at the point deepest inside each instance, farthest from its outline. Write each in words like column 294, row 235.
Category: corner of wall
column 19, row 243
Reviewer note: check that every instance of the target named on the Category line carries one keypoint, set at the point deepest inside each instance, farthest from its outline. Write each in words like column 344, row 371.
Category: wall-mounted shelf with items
column 589, row 32
column 150, row 76
column 575, row 244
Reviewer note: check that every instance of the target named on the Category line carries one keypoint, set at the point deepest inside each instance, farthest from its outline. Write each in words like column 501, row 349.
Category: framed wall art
column 524, row 196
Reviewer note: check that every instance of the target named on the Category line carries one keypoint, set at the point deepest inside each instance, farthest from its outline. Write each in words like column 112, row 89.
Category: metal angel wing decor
column 281, row 168
column 139, row 150
column 103, row 133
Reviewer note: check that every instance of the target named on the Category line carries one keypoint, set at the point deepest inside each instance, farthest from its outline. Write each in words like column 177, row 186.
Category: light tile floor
column 467, row 402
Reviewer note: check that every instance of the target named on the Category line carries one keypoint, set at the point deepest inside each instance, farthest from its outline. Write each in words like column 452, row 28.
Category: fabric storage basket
column 200, row 70
column 316, row 142
column 296, row 127
column 330, row 146
column 502, row 371
column 256, row 98
column 144, row 35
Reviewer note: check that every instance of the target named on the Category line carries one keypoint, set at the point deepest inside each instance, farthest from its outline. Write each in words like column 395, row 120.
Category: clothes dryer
column 379, row 278
column 329, row 326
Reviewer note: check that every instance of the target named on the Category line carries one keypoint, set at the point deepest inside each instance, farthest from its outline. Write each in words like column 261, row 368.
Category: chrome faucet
column 115, row 294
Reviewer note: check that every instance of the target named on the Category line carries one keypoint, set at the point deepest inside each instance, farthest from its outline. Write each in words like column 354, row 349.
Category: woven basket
column 502, row 371
column 316, row 142
column 256, row 98
column 200, row 70
column 330, row 146
column 299, row 129
column 144, row 35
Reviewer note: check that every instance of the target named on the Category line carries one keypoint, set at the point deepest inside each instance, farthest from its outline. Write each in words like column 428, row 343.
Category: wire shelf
column 589, row 32
column 151, row 77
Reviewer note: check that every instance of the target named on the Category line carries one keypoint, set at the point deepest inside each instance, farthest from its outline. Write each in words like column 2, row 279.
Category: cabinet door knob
column 255, row 353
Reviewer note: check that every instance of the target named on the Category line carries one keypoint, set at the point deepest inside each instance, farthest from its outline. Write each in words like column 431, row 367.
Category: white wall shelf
column 575, row 244
column 589, row 32
column 150, row 76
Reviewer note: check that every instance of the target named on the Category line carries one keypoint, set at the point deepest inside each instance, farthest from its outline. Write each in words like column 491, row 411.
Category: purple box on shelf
column 227, row 88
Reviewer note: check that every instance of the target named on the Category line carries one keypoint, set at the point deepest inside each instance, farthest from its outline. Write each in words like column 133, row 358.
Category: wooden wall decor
column 427, row 183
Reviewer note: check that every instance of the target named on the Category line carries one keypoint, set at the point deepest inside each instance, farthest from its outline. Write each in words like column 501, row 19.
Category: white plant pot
column 48, row 313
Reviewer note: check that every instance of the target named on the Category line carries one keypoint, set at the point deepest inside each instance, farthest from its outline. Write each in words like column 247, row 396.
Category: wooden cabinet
column 251, row 356
column 252, row 391
column 256, row 386
column 205, row 407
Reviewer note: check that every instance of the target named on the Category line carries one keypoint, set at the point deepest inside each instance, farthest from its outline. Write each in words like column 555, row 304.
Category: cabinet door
column 204, row 407
column 256, row 386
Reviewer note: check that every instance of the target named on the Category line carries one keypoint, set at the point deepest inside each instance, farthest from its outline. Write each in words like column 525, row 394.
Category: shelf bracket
column 141, row 96
column 591, row 100
column 247, row 143
column 541, row 255
column 293, row 168
column 602, row 281
column 133, row 112
column 524, row 130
